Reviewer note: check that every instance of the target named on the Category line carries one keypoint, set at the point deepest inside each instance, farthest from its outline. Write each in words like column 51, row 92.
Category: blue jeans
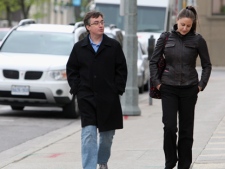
column 95, row 152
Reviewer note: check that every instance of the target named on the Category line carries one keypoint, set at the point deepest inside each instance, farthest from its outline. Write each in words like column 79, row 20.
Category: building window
column 218, row 7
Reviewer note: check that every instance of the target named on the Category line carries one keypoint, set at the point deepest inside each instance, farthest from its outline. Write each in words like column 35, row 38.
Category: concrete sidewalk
column 140, row 144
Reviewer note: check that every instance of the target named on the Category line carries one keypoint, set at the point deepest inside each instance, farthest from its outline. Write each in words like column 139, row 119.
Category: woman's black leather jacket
column 181, row 53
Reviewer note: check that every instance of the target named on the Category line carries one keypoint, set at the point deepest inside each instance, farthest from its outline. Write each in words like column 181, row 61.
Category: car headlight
column 58, row 74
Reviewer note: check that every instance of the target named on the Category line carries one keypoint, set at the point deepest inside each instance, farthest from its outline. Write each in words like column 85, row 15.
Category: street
column 18, row 127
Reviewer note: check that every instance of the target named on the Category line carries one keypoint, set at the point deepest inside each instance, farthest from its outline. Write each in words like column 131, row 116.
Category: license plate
column 20, row 90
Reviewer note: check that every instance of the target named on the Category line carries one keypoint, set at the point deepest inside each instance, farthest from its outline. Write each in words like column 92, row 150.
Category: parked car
column 142, row 59
column 113, row 32
column 33, row 66
column 142, row 70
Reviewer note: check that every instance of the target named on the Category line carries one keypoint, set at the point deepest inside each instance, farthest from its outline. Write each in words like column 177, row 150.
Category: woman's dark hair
column 189, row 12
column 89, row 15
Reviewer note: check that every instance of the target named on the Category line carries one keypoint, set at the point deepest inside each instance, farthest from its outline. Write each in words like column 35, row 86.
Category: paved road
column 17, row 127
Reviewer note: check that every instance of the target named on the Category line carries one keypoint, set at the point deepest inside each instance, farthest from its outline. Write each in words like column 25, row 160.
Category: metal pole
column 151, row 46
column 129, row 100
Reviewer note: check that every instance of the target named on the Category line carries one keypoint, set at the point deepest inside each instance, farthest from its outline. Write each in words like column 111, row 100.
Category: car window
column 39, row 43
column 83, row 35
column 118, row 37
column 139, row 52
column 2, row 34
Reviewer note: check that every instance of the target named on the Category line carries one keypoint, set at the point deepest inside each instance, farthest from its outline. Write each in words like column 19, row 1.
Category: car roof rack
column 78, row 24
column 26, row 22
column 112, row 26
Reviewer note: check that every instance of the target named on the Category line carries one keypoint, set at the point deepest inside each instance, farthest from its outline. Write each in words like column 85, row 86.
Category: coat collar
column 174, row 30
column 104, row 44
column 105, row 41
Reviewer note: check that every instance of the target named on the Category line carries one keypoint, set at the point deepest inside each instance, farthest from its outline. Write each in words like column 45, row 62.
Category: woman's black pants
column 178, row 103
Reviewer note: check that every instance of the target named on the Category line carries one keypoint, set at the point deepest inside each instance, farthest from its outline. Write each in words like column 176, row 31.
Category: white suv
column 33, row 61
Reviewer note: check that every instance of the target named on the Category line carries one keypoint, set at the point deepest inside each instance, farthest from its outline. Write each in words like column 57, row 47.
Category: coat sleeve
column 154, row 74
column 121, row 70
column 205, row 62
column 72, row 71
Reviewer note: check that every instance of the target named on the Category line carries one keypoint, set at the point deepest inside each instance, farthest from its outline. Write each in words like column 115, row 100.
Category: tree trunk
column 9, row 16
column 25, row 10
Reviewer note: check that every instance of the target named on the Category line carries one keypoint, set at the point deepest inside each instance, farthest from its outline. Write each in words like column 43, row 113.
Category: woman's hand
column 200, row 88
column 158, row 86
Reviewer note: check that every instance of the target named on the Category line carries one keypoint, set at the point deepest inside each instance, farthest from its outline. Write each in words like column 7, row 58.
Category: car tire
column 141, row 89
column 17, row 107
column 146, row 86
column 71, row 110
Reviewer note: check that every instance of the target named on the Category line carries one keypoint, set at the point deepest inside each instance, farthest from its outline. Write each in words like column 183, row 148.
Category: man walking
column 97, row 74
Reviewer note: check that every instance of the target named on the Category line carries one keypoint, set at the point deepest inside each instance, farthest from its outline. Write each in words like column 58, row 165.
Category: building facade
column 54, row 12
column 212, row 25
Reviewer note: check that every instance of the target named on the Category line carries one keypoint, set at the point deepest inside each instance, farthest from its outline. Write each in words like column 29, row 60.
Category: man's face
column 96, row 26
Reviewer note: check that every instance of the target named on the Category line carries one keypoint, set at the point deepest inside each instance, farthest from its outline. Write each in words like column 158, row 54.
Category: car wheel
column 71, row 110
column 17, row 107
column 141, row 89
column 146, row 86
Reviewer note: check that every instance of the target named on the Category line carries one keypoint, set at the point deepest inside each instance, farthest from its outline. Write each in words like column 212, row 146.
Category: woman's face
column 184, row 25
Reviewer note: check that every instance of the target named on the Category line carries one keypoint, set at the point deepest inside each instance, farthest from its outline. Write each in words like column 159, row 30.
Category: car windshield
column 39, row 43
column 2, row 34
column 139, row 52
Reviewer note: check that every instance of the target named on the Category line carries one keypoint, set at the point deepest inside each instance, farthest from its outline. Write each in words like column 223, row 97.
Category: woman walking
column 180, row 85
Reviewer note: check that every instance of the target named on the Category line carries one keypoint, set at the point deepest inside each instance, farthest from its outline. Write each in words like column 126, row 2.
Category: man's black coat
column 98, row 79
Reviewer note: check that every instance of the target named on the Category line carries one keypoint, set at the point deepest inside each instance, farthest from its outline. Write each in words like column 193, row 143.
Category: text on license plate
column 20, row 90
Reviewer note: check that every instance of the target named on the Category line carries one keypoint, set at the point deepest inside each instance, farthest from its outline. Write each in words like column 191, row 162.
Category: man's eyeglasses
column 97, row 23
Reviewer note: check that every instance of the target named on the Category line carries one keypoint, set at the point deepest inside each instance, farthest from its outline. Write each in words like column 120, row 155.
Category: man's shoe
column 103, row 166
